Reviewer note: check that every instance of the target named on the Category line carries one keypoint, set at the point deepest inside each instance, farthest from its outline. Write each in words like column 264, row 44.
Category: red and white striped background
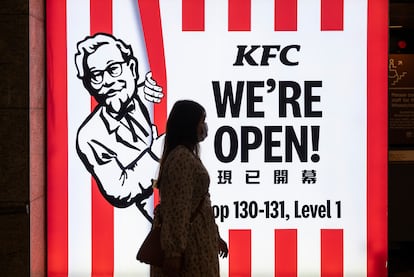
column 83, row 229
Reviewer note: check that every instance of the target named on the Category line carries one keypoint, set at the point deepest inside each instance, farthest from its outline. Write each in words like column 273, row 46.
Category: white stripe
column 263, row 250
column 127, row 26
column 215, row 16
column 263, row 16
column 354, row 191
column 130, row 227
column 355, row 247
column 309, row 252
column 309, row 16
column 79, row 190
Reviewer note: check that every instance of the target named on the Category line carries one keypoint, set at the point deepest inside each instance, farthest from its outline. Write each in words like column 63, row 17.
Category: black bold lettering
column 283, row 55
column 252, row 98
column 284, row 99
column 309, row 98
column 270, row 143
column 245, row 144
column 241, row 54
column 292, row 140
column 266, row 53
column 218, row 144
column 221, row 101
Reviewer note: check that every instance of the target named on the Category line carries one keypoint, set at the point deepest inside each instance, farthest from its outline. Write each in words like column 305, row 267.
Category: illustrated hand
column 222, row 247
column 172, row 267
column 141, row 199
column 146, row 192
column 152, row 91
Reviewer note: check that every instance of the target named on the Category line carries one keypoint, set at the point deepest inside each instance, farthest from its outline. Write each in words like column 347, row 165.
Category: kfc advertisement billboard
column 296, row 99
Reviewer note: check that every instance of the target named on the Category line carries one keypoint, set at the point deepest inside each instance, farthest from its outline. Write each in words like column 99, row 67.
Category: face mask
column 203, row 133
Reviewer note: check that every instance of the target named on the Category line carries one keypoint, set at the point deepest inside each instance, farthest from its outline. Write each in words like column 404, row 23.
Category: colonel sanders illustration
column 116, row 141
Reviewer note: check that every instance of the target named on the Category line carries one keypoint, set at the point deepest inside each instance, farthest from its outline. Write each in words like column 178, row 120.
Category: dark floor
column 401, row 259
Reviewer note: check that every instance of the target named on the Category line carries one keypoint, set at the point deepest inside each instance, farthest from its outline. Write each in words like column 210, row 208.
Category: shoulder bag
column 150, row 251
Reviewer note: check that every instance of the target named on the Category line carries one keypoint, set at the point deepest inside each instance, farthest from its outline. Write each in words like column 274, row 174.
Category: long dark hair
column 181, row 129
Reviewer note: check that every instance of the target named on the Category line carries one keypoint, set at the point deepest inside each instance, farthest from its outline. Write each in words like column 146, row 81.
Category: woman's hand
column 172, row 266
column 222, row 248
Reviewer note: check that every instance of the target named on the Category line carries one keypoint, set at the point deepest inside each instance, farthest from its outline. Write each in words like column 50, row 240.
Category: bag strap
column 195, row 213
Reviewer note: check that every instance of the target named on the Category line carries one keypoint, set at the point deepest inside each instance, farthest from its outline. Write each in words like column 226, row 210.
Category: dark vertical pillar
column 14, row 138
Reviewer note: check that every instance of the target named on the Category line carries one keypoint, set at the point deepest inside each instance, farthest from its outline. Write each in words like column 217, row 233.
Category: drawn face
column 113, row 80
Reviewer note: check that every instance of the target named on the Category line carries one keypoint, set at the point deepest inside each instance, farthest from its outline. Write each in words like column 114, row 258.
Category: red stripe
column 152, row 28
column 377, row 143
column 101, row 16
column 193, row 15
column 332, row 253
column 286, row 252
column 102, row 211
column 57, row 140
column 240, row 260
column 332, row 15
column 286, row 15
column 239, row 15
